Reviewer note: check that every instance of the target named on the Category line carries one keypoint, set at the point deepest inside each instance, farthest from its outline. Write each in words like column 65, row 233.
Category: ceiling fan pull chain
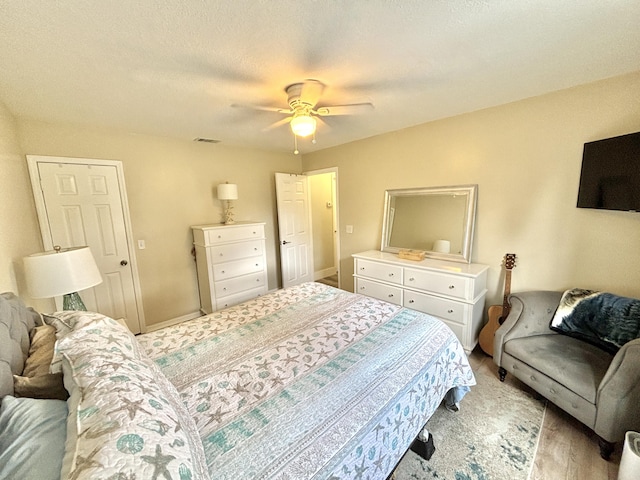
column 295, row 144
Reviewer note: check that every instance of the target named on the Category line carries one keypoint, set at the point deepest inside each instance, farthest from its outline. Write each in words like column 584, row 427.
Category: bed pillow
column 65, row 322
column 605, row 320
column 32, row 440
column 123, row 412
column 36, row 381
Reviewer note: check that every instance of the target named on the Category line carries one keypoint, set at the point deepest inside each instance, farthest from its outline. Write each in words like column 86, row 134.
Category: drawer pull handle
column 391, row 295
column 362, row 268
column 257, row 279
column 391, row 274
column 219, row 236
column 361, row 288
column 257, row 264
column 450, row 310
column 412, row 279
column 222, row 271
column 412, row 301
column 451, row 287
column 255, row 248
column 224, row 289
column 221, row 254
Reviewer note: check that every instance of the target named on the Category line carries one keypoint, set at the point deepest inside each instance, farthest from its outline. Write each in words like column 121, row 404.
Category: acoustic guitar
column 497, row 313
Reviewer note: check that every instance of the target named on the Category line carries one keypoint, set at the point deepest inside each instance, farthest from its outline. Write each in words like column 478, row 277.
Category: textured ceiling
column 174, row 68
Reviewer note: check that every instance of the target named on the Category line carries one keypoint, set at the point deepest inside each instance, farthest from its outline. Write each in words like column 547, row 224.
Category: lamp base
column 228, row 214
column 72, row 301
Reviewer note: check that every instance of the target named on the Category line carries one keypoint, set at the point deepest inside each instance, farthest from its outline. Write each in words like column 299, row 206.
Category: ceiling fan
column 304, row 111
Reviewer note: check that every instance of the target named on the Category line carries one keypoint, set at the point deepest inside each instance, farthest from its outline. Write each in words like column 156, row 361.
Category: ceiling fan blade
column 322, row 123
column 263, row 108
column 277, row 124
column 352, row 109
column 311, row 92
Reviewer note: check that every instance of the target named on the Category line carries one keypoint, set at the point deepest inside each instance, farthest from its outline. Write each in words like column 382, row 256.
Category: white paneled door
column 294, row 227
column 84, row 204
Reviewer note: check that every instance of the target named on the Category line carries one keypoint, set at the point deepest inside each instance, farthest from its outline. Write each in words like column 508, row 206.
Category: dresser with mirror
column 438, row 222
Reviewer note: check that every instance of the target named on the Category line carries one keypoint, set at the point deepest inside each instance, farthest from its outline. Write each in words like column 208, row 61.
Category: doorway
column 83, row 202
column 323, row 186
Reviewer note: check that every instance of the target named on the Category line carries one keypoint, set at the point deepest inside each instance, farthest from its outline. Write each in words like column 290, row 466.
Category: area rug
column 494, row 436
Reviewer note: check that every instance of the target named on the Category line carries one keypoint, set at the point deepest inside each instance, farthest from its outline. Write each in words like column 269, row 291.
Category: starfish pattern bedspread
column 310, row 382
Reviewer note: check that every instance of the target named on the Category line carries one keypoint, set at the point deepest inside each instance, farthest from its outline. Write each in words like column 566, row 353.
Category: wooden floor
column 567, row 449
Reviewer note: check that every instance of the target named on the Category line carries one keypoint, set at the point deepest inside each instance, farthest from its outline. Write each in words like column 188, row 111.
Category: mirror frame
column 469, row 218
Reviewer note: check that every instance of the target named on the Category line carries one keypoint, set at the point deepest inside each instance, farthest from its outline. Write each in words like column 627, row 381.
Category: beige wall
column 525, row 158
column 170, row 186
column 320, row 187
column 19, row 231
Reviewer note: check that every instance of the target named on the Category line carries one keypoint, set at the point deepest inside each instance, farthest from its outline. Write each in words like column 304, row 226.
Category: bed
column 304, row 382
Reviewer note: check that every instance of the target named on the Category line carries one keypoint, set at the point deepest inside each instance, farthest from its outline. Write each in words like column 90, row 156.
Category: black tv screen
column 610, row 177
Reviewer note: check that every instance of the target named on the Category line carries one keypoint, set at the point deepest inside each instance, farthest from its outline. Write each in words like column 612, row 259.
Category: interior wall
column 19, row 231
column 322, row 221
column 171, row 185
column 526, row 158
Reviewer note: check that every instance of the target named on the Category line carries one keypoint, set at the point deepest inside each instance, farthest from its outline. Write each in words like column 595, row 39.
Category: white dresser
column 231, row 263
column 453, row 292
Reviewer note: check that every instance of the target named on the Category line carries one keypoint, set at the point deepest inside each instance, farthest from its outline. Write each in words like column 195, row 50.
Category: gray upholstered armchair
column 599, row 389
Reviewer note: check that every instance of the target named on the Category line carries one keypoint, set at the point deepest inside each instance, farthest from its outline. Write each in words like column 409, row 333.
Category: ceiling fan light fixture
column 303, row 125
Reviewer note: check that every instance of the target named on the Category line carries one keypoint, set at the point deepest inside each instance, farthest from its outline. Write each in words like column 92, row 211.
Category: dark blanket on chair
column 602, row 319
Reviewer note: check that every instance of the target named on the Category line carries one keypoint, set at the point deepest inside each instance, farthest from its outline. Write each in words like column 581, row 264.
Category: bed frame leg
column 422, row 448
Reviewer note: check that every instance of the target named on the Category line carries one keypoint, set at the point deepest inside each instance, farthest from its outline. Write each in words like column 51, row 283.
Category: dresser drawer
column 378, row 290
column 233, row 234
column 440, row 283
column 239, row 284
column 436, row 306
column 236, row 251
column 379, row 271
column 223, row 271
column 230, row 300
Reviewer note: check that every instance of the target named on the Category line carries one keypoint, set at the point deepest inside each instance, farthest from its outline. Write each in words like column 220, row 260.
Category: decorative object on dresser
column 497, row 313
column 231, row 263
column 411, row 254
column 437, row 220
column 452, row 292
column 226, row 193
column 62, row 271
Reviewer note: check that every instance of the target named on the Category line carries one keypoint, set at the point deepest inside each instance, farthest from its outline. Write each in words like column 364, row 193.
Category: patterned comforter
column 310, row 382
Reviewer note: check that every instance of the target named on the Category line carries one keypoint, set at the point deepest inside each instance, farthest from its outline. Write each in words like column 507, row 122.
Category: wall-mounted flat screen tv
column 610, row 177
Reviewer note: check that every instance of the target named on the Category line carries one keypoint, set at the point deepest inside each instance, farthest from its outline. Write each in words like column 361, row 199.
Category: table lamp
column 61, row 271
column 227, row 192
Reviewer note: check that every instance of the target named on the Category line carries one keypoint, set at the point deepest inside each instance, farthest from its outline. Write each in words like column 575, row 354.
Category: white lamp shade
column 227, row 191
column 303, row 125
column 58, row 272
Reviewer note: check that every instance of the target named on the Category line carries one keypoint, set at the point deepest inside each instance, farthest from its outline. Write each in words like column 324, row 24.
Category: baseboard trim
column 172, row 322
column 327, row 272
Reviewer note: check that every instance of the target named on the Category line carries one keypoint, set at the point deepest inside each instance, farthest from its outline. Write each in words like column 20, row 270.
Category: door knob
column 284, row 242
column 124, row 263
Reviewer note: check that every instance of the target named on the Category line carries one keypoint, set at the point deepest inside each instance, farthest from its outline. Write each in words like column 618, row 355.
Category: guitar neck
column 507, row 292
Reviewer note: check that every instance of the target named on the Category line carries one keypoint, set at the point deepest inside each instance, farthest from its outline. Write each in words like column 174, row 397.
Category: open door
column 294, row 228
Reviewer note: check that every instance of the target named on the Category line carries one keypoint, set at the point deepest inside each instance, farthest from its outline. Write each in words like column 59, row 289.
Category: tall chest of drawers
column 453, row 292
column 231, row 263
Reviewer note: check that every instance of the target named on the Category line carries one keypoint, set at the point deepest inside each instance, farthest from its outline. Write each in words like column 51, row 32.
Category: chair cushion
column 577, row 365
